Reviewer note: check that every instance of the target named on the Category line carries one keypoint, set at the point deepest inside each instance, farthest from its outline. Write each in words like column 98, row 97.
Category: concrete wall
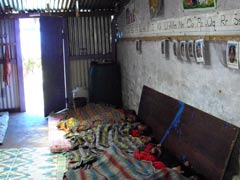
column 212, row 88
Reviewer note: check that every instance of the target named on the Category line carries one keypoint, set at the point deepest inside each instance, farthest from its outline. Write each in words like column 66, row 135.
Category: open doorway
column 32, row 67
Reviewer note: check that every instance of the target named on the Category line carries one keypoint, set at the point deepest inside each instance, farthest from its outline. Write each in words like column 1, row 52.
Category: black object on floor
column 105, row 84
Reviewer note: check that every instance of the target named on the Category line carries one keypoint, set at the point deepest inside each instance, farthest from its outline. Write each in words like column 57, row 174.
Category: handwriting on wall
column 217, row 23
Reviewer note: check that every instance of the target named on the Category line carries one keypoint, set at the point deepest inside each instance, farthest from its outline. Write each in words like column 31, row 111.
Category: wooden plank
column 183, row 38
column 157, row 111
column 206, row 141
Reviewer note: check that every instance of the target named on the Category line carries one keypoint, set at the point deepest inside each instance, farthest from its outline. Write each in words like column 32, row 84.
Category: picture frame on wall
column 183, row 50
column 156, row 8
column 163, row 47
column 199, row 50
column 179, row 57
column 139, row 46
column 232, row 54
column 198, row 4
column 175, row 48
column 190, row 51
column 130, row 13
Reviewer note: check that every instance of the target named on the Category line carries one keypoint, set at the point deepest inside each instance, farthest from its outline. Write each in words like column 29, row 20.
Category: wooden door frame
column 22, row 107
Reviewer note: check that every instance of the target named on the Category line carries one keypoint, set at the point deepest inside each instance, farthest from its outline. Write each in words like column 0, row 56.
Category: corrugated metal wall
column 89, row 39
column 79, row 75
column 9, row 95
column 89, row 35
column 24, row 6
column 9, row 98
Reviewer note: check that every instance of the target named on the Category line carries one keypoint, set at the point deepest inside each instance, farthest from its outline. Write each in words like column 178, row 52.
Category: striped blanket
column 119, row 135
column 115, row 164
column 106, row 114
column 89, row 144
column 90, row 116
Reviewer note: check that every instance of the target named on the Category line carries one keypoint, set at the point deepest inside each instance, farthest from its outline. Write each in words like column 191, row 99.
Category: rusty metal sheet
column 27, row 6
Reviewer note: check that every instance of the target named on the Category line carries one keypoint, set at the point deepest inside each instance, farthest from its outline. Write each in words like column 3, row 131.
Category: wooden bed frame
column 204, row 140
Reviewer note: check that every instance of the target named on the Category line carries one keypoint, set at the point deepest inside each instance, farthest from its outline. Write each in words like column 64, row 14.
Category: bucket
column 80, row 92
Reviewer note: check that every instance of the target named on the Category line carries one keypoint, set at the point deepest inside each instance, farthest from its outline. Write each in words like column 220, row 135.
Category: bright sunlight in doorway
column 32, row 68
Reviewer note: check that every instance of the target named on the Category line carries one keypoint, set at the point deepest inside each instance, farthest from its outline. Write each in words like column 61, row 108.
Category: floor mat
column 31, row 164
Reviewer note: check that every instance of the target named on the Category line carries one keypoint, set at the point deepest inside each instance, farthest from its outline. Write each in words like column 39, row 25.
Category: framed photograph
column 175, row 48
column 179, row 57
column 130, row 13
column 139, row 46
column 183, row 50
column 190, row 51
column 156, row 8
column 198, row 4
column 199, row 50
column 163, row 47
column 232, row 54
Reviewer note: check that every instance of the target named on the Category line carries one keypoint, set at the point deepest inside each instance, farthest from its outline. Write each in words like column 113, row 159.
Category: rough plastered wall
column 212, row 88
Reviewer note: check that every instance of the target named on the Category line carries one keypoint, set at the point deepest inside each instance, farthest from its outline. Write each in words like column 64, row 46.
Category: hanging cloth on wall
column 175, row 121
column 6, row 66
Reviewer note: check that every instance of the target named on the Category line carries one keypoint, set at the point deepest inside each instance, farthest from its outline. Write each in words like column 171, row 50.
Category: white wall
column 212, row 88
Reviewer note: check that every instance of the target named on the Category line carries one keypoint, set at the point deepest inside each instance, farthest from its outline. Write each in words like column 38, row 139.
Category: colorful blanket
column 79, row 120
column 115, row 164
column 90, row 116
column 88, row 145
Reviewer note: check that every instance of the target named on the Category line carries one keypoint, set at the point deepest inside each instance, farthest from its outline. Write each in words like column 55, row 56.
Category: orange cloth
column 6, row 66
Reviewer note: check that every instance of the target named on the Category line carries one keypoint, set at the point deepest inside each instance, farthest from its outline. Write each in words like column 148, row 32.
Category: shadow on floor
column 25, row 130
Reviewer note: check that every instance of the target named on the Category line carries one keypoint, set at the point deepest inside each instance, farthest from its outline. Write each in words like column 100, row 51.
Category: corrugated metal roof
column 46, row 6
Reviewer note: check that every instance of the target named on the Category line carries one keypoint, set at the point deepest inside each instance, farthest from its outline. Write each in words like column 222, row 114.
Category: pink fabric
column 57, row 142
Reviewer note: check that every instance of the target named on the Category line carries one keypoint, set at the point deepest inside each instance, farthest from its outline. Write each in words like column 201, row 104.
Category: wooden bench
column 204, row 140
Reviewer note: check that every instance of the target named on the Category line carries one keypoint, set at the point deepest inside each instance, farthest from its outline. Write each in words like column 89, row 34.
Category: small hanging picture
column 175, row 48
column 130, row 13
column 190, row 51
column 139, row 46
column 163, row 47
column 156, row 8
column 199, row 50
column 198, row 4
column 232, row 54
column 179, row 57
column 183, row 50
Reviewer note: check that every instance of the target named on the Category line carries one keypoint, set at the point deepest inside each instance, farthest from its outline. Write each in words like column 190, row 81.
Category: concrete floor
column 25, row 130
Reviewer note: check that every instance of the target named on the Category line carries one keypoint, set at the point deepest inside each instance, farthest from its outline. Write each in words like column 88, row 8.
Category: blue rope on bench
column 175, row 121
